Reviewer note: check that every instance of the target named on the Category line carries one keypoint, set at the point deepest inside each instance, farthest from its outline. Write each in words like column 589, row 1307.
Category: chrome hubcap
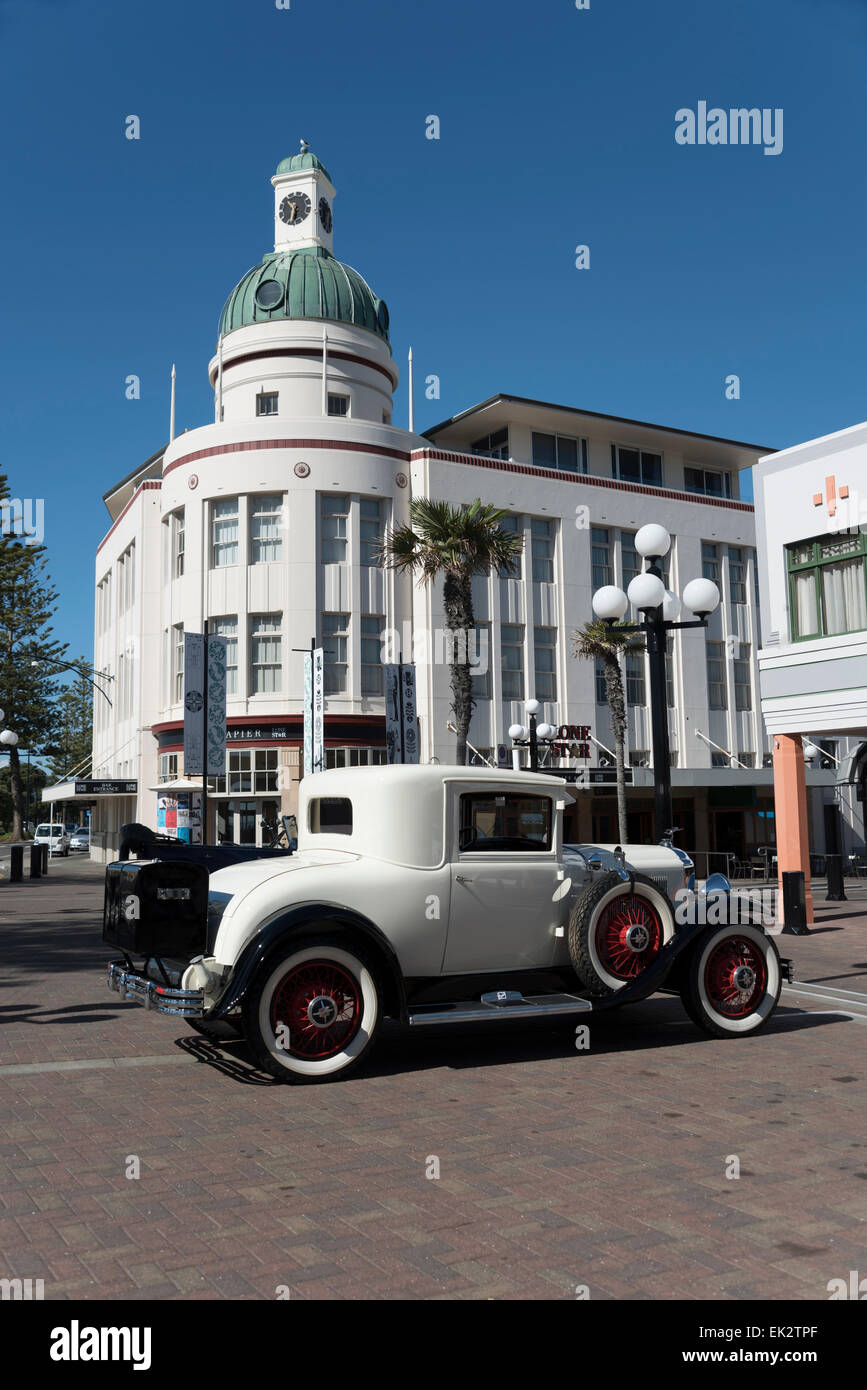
column 322, row 1011
column 744, row 979
column 638, row 938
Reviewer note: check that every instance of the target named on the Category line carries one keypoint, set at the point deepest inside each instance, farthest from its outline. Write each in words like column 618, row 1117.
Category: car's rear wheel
column 733, row 981
column 616, row 929
column 313, row 1014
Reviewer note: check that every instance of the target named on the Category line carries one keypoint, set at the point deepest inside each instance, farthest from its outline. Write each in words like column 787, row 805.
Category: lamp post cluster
column 660, row 609
column 530, row 736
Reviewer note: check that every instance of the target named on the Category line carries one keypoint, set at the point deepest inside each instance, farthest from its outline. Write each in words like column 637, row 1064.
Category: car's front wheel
column 733, row 981
column 313, row 1014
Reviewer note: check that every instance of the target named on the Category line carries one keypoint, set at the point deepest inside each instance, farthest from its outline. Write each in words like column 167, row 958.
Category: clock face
column 325, row 214
column 294, row 208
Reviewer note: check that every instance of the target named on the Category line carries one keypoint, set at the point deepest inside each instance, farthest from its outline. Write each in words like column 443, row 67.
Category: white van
column 54, row 836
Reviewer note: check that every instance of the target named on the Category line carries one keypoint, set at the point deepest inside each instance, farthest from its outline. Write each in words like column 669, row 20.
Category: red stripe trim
column 391, row 376
column 244, row 445
column 142, row 487
column 476, row 461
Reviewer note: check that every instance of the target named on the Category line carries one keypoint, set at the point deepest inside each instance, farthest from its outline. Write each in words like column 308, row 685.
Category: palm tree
column 457, row 542
column 601, row 641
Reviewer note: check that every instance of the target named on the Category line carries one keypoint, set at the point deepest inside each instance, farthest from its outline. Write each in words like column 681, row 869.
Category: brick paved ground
column 558, row 1168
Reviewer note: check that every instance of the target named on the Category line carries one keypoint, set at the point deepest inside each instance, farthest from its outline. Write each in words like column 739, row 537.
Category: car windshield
column 49, row 829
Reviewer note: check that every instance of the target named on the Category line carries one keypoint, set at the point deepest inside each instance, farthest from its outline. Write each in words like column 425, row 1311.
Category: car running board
column 501, row 1003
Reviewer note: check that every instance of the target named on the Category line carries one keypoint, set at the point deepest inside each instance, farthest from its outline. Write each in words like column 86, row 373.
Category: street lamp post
column 660, row 609
column 80, row 667
column 529, row 737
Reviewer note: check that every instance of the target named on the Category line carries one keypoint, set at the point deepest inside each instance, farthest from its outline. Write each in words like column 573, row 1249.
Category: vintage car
column 430, row 895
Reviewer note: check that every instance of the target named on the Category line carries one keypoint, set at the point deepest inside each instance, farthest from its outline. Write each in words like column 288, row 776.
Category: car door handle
column 460, row 878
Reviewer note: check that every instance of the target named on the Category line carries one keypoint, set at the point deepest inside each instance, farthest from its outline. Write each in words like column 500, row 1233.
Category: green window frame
column 815, row 557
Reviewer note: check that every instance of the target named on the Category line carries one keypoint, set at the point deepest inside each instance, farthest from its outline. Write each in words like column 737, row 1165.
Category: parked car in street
column 433, row 896
column 79, row 840
column 53, row 835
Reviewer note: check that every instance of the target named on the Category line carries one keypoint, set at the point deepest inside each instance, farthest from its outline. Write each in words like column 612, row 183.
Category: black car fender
column 277, row 934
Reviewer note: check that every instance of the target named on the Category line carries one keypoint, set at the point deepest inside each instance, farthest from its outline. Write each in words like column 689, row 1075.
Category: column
column 790, row 809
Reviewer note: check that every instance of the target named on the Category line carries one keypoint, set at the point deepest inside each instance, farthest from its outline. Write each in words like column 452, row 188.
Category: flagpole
column 220, row 381
column 172, row 412
column 411, row 408
column 325, row 371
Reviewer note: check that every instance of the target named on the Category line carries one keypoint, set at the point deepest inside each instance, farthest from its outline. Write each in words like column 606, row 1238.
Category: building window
column 737, row 575
column 543, row 550
column 266, row 403
column 600, row 557
column 265, row 529
column 545, row 656
column 337, row 404
column 225, row 532
column 639, row 757
column 635, row 693
column 126, row 579
column 335, row 645
column 334, row 525
column 828, row 585
column 748, row 759
column 716, row 676
column 629, row 558
column 371, row 531
column 560, row 452
column 178, row 542
column 386, row 417
column 493, row 446
column 601, row 686
column 511, row 523
column 708, row 481
column 512, row 655
column 178, row 662
column 743, row 682
column 228, row 629
column 168, row 767
column 710, row 561
column 355, row 757
column 482, row 682
column 371, row 655
column 636, row 465
column 720, row 760
column 266, row 654
column 103, row 604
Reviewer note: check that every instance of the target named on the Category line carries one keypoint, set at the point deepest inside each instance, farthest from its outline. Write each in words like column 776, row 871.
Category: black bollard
column 794, row 905
column 834, row 870
column 16, row 864
column 35, row 861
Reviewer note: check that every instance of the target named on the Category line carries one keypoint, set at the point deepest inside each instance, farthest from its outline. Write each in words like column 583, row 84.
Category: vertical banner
column 393, row 723
column 308, row 713
column 319, row 710
column 194, row 703
column 409, row 714
column 215, row 733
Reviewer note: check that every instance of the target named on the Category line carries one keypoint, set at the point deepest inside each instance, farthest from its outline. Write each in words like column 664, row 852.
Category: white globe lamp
column 646, row 591
column 532, row 707
column 671, row 607
column 652, row 541
column 8, row 738
column 610, row 603
column 517, row 731
column 701, row 597
column 546, row 731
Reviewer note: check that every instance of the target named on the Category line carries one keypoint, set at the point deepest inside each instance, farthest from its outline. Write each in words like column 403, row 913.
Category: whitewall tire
column 733, row 981
column 617, row 929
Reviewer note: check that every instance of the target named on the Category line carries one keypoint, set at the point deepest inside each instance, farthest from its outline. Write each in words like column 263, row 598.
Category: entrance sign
column 105, row 788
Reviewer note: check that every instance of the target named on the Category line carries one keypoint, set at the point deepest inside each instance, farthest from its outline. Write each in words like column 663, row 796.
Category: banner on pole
column 314, row 711
column 194, row 703
column 410, row 714
column 215, row 733
column 393, row 725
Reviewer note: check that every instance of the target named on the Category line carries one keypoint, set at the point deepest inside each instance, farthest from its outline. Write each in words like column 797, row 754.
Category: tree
column 73, row 729
column 27, row 692
column 34, row 778
column 601, row 641
column 456, row 542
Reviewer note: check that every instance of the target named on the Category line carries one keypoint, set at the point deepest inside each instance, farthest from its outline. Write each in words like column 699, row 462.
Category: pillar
column 790, row 811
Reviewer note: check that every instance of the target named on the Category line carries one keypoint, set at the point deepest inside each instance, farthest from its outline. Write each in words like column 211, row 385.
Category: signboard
column 257, row 733
column 215, row 731
column 314, row 710
column 194, row 703
column 502, row 755
column 593, row 776
column 401, row 715
column 393, row 723
column 409, row 713
column 104, row 788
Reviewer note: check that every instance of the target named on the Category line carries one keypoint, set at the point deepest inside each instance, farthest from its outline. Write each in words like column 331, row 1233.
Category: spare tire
column 617, row 927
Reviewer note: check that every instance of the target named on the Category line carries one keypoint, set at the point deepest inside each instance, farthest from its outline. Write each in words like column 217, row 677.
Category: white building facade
column 265, row 524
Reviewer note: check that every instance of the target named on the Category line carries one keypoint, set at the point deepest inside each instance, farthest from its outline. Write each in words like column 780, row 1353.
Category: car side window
column 516, row 822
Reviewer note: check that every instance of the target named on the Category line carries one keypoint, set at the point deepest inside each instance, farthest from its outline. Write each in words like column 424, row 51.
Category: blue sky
column 557, row 129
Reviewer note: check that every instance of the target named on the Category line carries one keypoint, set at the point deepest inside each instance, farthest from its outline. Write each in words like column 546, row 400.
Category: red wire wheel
column 320, row 1003
column 628, row 936
column 735, row 977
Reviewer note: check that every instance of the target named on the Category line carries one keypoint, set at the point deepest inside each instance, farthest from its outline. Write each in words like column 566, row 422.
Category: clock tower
column 303, row 202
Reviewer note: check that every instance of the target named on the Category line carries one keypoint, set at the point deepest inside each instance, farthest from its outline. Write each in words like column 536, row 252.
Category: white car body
column 54, row 836
column 444, row 910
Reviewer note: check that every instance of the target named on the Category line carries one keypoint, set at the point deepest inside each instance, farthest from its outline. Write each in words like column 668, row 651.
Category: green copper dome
column 306, row 284
column 305, row 160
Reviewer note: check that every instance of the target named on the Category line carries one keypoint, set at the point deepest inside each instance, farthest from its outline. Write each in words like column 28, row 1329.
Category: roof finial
column 304, row 146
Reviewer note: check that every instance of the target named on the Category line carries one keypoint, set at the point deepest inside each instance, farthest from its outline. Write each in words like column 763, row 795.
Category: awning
column 180, row 784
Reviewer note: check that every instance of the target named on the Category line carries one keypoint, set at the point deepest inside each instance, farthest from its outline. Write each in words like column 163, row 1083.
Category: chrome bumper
column 182, row 1003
